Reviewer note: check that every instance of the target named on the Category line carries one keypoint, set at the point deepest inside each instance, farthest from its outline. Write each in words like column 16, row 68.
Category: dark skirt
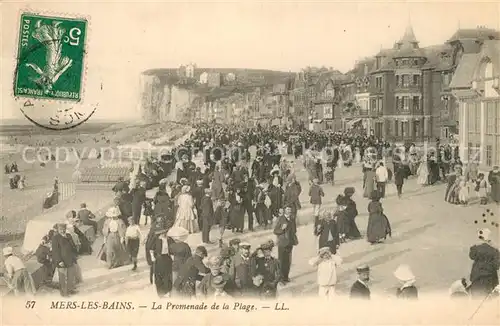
column 163, row 274
column 133, row 247
column 378, row 227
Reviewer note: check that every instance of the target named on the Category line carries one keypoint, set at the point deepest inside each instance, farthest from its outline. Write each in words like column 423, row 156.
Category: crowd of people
column 229, row 185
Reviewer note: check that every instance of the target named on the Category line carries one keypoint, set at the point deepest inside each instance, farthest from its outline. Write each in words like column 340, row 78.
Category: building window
column 478, row 118
column 446, row 79
column 469, row 150
column 398, row 80
column 406, row 103
column 415, row 62
column 490, row 118
column 406, row 80
column 396, row 128
column 380, row 104
column 373, row 105
column 405, row 127
column 489, row 155
column 416, row 80
column 378, row 82
column 497, row 124
column 416, row 103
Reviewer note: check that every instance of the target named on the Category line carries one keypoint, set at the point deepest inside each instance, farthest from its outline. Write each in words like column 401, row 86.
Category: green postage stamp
column 50, row 60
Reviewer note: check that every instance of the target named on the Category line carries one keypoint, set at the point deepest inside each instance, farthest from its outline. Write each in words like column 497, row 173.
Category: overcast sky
column 126, row 38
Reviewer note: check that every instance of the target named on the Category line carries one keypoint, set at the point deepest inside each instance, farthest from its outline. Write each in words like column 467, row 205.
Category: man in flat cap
column 267, row 273
column 360, row 290
column 234, row 244
column 241, row 266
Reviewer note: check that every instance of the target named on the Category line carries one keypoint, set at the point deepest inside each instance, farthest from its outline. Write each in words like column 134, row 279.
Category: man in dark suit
column 359, row 289
column 138, row 199
column 328, row 233
column 240, row 263
column 206, row 215
column 286, row 230
column 64, row 255
column 249, row 190
column 197, row 192
column 87, row 217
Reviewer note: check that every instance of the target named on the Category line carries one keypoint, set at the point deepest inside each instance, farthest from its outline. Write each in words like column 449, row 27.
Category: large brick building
column 403, row 93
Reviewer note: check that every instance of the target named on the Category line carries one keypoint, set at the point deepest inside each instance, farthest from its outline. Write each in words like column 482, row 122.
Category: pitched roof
column 481, row 33
column 462, row 78
column 438, row 56
column 409, row 36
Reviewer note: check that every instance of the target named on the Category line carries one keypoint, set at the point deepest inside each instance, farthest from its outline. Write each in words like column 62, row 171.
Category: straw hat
column 178, row 233
column 404, row 273
column 363, row 269
column 245, row 245
column 7, row 251
column 113, row 212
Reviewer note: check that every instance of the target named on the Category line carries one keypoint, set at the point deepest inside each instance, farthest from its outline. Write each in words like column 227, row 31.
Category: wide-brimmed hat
column 324, row 250
column 7, row 251
column 185, row 189
column 234, row 242
column 162, row 224
column 178, row 233
column 218, row 282
column 458, row 286
column 113, row 212
column 404, row 273
column 348, row 191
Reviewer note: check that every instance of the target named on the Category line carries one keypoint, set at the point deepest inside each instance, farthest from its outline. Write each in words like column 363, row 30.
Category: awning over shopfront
column 353, row 122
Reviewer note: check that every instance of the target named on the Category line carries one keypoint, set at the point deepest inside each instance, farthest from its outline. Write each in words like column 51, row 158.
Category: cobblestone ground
column 432, row 236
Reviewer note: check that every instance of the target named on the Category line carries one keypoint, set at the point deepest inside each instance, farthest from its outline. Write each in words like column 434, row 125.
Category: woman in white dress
column 422, row 173
column 186, row 213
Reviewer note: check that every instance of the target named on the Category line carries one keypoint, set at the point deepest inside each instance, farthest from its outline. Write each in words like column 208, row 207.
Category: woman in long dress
column 369, row 183
column 186, row 213
column 161, row 255
column 453, row 187
column 114, row 238
column 217, row 181
column 378, row 224
column 423, row 174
